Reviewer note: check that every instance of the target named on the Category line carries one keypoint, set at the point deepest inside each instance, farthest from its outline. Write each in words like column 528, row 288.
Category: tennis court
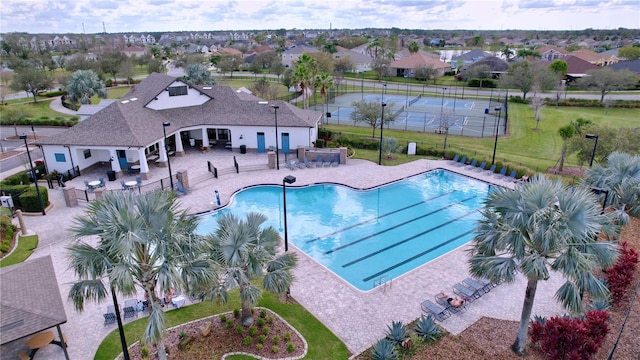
column 452, row 115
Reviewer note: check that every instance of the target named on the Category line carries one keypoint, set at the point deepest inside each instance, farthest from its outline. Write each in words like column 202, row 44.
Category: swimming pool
column 369, row 236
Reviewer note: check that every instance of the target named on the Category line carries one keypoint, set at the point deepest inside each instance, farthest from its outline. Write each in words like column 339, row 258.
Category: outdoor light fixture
column 166, row 150
column 33, row 173
column 381, row 127
column 275, row 114
column 495, row 143
column 593, row 154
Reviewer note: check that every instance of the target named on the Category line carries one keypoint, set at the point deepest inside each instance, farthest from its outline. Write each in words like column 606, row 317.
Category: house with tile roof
column 130, row 131
column 595, row 58
column 551, row 52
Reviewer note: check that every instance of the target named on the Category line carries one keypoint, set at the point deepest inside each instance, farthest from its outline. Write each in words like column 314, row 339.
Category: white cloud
column 36, row 16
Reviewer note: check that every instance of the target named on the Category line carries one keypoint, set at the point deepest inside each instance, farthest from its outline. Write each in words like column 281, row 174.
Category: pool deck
column 358, row 318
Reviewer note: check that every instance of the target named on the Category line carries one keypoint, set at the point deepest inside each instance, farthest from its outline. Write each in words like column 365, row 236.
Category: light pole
column 593, row 153
column 289, row 179
column 166, row 150
column 495, row 143
column 381, row 127
column 33, row 173
column 275, row 114
column 442, row 104
column 406, row 84
column 362, row 84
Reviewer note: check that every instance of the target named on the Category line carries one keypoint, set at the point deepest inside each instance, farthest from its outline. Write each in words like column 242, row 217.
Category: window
column 178, row 90
column 87, row 153
column 60, row 157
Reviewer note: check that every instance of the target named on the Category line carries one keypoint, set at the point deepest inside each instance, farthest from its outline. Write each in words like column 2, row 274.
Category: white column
column 115, row 163
column 205, row 137
column 178, row 141
column 144, row 167
column 163, row 151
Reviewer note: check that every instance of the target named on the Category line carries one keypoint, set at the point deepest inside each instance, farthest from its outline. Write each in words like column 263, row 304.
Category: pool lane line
column 412, row 237
column 378, row 217
column 416, row 256
column 398, row 225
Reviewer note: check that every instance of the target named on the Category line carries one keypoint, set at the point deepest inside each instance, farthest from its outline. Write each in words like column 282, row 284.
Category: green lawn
column 323, row 344
column 26, row 245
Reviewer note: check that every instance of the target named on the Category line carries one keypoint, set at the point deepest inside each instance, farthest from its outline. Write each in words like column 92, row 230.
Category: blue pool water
column 364, row 236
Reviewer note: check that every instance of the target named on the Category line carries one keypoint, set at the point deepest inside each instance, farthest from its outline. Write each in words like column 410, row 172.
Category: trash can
column 243, row 149
column 486, row 110
column 111, row 175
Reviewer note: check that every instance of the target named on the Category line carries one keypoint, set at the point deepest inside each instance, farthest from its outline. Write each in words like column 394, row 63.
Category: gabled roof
column 29, row 299
column 544, row 49
column 494, row 63
column 588, row 55
column 577, row 65
column 418, row 61
column 133, row 124
column 631, row 65
column 473, row 55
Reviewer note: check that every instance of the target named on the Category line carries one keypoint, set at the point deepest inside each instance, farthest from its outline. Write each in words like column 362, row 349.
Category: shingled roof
column 30, row 299
column 131, row 123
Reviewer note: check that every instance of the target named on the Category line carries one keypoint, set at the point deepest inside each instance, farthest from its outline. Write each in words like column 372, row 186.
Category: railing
column 212, row 169
column 383, row 282
column 235, row 164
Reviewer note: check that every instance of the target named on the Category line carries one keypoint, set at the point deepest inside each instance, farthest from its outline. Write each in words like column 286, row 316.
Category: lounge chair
column 474, row 285
column 336, row 160
column 465, row 293
column 290, row 164
column 319, row 161
column 455, row 159
column 298, row 164
column 482, row 166
column 438, row 312
column 130, row 308
column 502, row 173
column 462, row 161
column 485, row 284
column 307, row 163
column 473, row 164
column 327, row 161
column 492, row 169
column 110, row 315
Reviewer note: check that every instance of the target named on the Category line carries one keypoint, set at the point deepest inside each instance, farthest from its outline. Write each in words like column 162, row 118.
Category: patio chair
column 473, row 164
column 181, row 187
column 492, row 169
column 139, row 181
column 475, row 285
column 438, row 312
column 484, row 283
column 481, row 167
column 298, row 164
column 307, row 163
column 511, row 177
column 503, row 171
column 462, row 161
column 319, row 161
column 110, row 315
column 336, row 160
column 455, row 159
column 130, row 308
column 124, row 186
column 290, row 164
column 465, row 293
column 102, row 184
column 327, row 161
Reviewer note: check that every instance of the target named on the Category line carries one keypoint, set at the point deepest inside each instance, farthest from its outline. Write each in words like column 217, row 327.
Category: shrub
column 253, row 330
column 223, row 318
column 259, row 346
column 265, row 330
column 383, row 350
column 291, row 347
column 239, row 329
column 229, row 324
column 144, row 350
column 320, row 143
column 570, row 337
column 247, row 341
column 276, row 339
column 236, row 313
column 427, row 329
column 275, row 348
column 287, row 335
column 620, row 275
column 260, row 322
column 263, row 313
column 262, row 339
column 270, row 320
column 397, row 332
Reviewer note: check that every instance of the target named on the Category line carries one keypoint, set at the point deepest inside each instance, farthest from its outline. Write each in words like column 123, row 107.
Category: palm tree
column 82, row 85
column 543, row 225
column 304, row 74
column 246, row 251
column 324, row 82
column 508, row 52
column 413, row 47
column 145, row 242
column 565, row 132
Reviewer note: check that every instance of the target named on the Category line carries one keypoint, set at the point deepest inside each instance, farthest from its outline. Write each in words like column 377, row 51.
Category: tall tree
column 324, row 82
column 508, row 52
column 110, row 63
column 305, row 70
column 559, row 67
column 413, row 47
column 245, row 251
column 198, row 74
column 82, row 85
column 606, row 80
column 31, row 80
column 371, row 113
column 629, row 52
column 524, row 76
column 144, row 242
column 540, row 226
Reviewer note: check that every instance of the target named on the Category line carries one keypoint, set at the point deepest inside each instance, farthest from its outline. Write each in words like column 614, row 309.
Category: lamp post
column 593, row 153
column 166, row 150
column 495, row 143
column 289, row 179
column 381, row 127
column 442, row 105
column 600, row 191
column 406, row 84
column 33, row 173
column 275, row 114
column 362, row 84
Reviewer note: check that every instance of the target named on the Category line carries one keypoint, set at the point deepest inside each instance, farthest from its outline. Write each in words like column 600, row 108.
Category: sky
column 122, row 16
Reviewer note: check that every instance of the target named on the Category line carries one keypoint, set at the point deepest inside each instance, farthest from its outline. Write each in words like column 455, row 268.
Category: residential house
column 577, row 67
column 291, row 55
column 411, row 64
column 595, row 58
column 468, row 58
column 360, row 61
column 631, row 65
column 131, row 130
column 137, row 51
column 496, row 65
column 551, row 53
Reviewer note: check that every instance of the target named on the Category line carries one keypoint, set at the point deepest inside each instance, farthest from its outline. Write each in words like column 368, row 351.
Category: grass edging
column 322, row 343
column 24, row 248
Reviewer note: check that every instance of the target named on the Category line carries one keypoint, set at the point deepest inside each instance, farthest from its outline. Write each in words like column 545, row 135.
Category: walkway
column 359, row 319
